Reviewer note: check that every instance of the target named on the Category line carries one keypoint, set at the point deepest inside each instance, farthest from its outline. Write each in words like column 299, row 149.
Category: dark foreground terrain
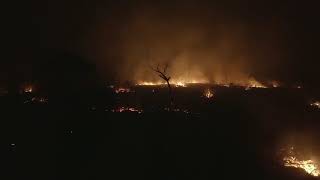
column 237, row 134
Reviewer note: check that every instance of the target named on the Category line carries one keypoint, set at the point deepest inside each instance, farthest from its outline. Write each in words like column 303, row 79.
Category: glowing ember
column 127, row 109
column 28, row 89
column 150, row 84
column 291, row 159
column 255, row 84
column 122, row 90
column 275, row 84
column 248, row 84
column 176, row 83
column 208, row 93
column 315, row 104
column 180, row 84
column 307, row 165
column 224, row 85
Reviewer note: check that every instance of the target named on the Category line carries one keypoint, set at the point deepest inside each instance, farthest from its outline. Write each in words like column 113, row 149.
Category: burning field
column 200, row 123
column 309, row 166
column 160, row 90
column 294, row 159
column 194, row 100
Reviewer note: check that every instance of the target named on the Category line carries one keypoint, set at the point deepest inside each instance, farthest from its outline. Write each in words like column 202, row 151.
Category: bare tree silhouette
column 162, row 73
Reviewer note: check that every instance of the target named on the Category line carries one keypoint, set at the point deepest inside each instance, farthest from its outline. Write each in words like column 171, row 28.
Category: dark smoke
column 220, row 41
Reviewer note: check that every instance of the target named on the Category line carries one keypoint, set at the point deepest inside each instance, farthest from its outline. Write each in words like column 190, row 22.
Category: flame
column 255, row 84
column 275, row 84
column 308, row 166
column 144, row 83
column 174, row 82
column 248, row 84
column 177, row 84
column 122, row 90
column 291, row 159
column 208, row 93
column 224, row 85
column 28, row 89
column 316, row 104
column 180, row 84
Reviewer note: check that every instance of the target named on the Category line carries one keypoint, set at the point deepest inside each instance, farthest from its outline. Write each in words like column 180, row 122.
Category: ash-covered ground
column 132, row 133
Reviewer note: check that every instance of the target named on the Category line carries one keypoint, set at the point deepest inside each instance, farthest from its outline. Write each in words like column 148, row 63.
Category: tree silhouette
column 162, row 73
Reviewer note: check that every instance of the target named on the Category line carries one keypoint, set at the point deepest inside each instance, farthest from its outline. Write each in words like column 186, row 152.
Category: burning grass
column 315, row 104
column 308, row 166
column 249, row 84
column 28, row 89
column 176, row 83
column 122, row 90
column 293, row 159
column 208, row 93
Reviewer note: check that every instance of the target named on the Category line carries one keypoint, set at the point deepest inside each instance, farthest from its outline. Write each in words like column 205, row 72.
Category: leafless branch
column 162, row 74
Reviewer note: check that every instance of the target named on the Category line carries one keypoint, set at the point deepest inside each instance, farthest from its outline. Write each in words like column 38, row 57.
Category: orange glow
column 293, row 159
column 315, row 104
column 275, row 84
column 144, row 83
column 28, row 89
column 176, row 83
column 255, row 84
column 208, row 93
column 308, row 166
column 180, row 84
column 248, row 84
column 122, row 90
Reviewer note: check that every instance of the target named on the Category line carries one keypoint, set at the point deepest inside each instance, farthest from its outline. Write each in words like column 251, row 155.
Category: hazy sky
column 216, row 40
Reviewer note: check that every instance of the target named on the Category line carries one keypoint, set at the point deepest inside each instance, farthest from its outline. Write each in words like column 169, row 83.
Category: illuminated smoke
column 202, row 46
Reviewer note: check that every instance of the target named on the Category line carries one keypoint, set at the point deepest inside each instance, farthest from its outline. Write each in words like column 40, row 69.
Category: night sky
column 267, row 40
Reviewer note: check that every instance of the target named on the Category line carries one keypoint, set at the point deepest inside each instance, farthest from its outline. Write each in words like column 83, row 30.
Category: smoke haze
column 199, row 42
column 215, row 41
